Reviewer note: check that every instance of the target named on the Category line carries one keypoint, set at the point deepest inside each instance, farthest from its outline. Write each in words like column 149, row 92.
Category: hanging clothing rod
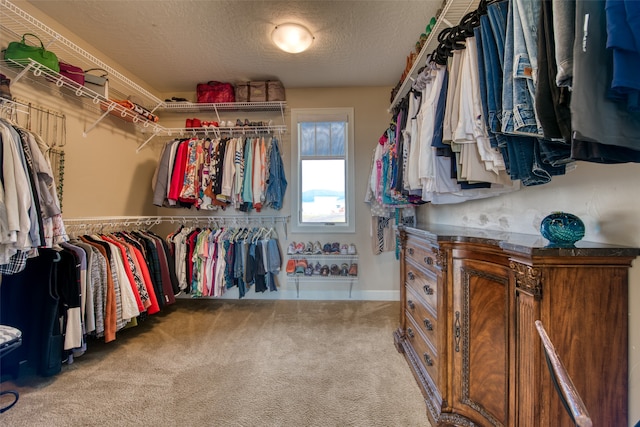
column 114, row 222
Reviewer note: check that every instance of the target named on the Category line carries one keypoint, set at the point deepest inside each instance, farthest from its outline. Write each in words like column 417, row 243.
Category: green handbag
column 21, row 52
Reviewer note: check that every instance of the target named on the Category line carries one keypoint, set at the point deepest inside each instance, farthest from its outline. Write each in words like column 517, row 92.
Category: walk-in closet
column 319, row 213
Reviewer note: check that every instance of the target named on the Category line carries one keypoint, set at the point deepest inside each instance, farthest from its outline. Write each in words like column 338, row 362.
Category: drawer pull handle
column 411, row 275
column 428, row 325
column 410, row 332
column 428, row 260
column 411, row 305
column 410, row 251
column 428, row 289
column 427, row 359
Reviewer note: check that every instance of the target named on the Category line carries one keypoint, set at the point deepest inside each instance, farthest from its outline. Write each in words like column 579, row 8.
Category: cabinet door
column 480, row 341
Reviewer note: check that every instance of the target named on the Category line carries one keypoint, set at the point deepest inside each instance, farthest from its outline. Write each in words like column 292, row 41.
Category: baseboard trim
column 317, row 295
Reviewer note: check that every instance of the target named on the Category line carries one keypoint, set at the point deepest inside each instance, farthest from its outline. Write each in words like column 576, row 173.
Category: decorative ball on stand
column 562, row 229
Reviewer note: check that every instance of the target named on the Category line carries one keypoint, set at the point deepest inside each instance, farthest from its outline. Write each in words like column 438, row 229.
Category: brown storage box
column 264, row 91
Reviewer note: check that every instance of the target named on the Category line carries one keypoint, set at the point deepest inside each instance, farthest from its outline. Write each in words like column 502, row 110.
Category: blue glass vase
column 562, row 229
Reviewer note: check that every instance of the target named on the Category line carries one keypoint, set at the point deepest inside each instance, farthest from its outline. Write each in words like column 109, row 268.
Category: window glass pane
column 307, row 139
column 323, row 191
column 323, row 139
column 337, row 138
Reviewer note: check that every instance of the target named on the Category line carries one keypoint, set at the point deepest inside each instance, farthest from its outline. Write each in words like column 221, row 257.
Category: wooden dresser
column 469, row 302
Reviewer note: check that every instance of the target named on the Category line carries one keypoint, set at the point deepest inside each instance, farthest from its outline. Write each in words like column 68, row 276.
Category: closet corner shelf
column 14, row 22
column 43, row 76
column 451, row 14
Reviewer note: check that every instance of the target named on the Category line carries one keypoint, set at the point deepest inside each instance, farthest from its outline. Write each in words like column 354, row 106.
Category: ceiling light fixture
column 292, row 38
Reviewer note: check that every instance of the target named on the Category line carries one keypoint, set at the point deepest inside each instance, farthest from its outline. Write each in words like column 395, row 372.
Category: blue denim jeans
column 439, row 116
column 491, row 76
column 526, row 163
column 276, row 181
column 518, row 111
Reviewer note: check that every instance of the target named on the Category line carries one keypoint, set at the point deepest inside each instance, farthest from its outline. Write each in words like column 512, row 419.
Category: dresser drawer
column 424, row 350
column 422, row 254
column 424, row 315
column 423, row 282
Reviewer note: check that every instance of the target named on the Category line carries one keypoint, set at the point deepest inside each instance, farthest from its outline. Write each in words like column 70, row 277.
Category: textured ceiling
column 174, row 44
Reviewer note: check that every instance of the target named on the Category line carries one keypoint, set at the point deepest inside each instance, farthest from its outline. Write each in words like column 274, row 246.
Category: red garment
column 127, row 270
column 177, row 176
column 154, row 308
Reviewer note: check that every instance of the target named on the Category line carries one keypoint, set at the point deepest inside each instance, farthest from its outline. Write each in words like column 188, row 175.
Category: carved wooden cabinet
column 469, row 302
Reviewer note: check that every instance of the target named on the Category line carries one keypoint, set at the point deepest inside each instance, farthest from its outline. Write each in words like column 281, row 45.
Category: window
column 322, row 143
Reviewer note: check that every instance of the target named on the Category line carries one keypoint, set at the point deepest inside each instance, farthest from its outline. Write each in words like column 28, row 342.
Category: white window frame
column 301, row 115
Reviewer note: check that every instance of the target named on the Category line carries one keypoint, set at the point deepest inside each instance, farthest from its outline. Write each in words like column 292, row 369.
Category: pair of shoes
column 295, row 248
column 344, row 269
column 193, row 123
column 352, row 249
column 317, row 248
column 240, row 123
column 317, row 268
column 353, row 270
column 176, row 99
column 344, row 249
column 308, row 249
column 301, row 266
column 291, row 266
column 335, row 270
column 324, row 271
column 308, row 271
column 210, row 124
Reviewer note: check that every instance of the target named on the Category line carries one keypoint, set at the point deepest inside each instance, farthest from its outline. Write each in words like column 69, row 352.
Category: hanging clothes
column 30, row 215
column 218, row 260
column 211, row 174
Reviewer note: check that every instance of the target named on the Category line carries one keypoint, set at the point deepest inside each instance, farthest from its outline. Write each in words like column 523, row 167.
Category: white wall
column 603, row 196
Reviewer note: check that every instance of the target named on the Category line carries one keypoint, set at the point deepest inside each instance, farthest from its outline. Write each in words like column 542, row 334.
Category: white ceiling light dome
column 292, row 38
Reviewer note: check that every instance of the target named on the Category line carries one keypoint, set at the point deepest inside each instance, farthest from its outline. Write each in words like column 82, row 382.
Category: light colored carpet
column 236, row 363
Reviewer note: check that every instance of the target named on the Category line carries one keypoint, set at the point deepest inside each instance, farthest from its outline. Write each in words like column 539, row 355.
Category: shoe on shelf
column 344, row 249
column 299, row 248
column 291, row 266
column 238, row 123
column 188, row 123
column 335, row 270
column 324, row 271
column 308, row 271
column 318, row 268
column 335, row 248
column 196, row 123
column 353, row 270
column 317, row 248
column 326, row 248
column 344, row 269
column 291, row 249
column 308, row 250
column 352, row 249
column 301, row 266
